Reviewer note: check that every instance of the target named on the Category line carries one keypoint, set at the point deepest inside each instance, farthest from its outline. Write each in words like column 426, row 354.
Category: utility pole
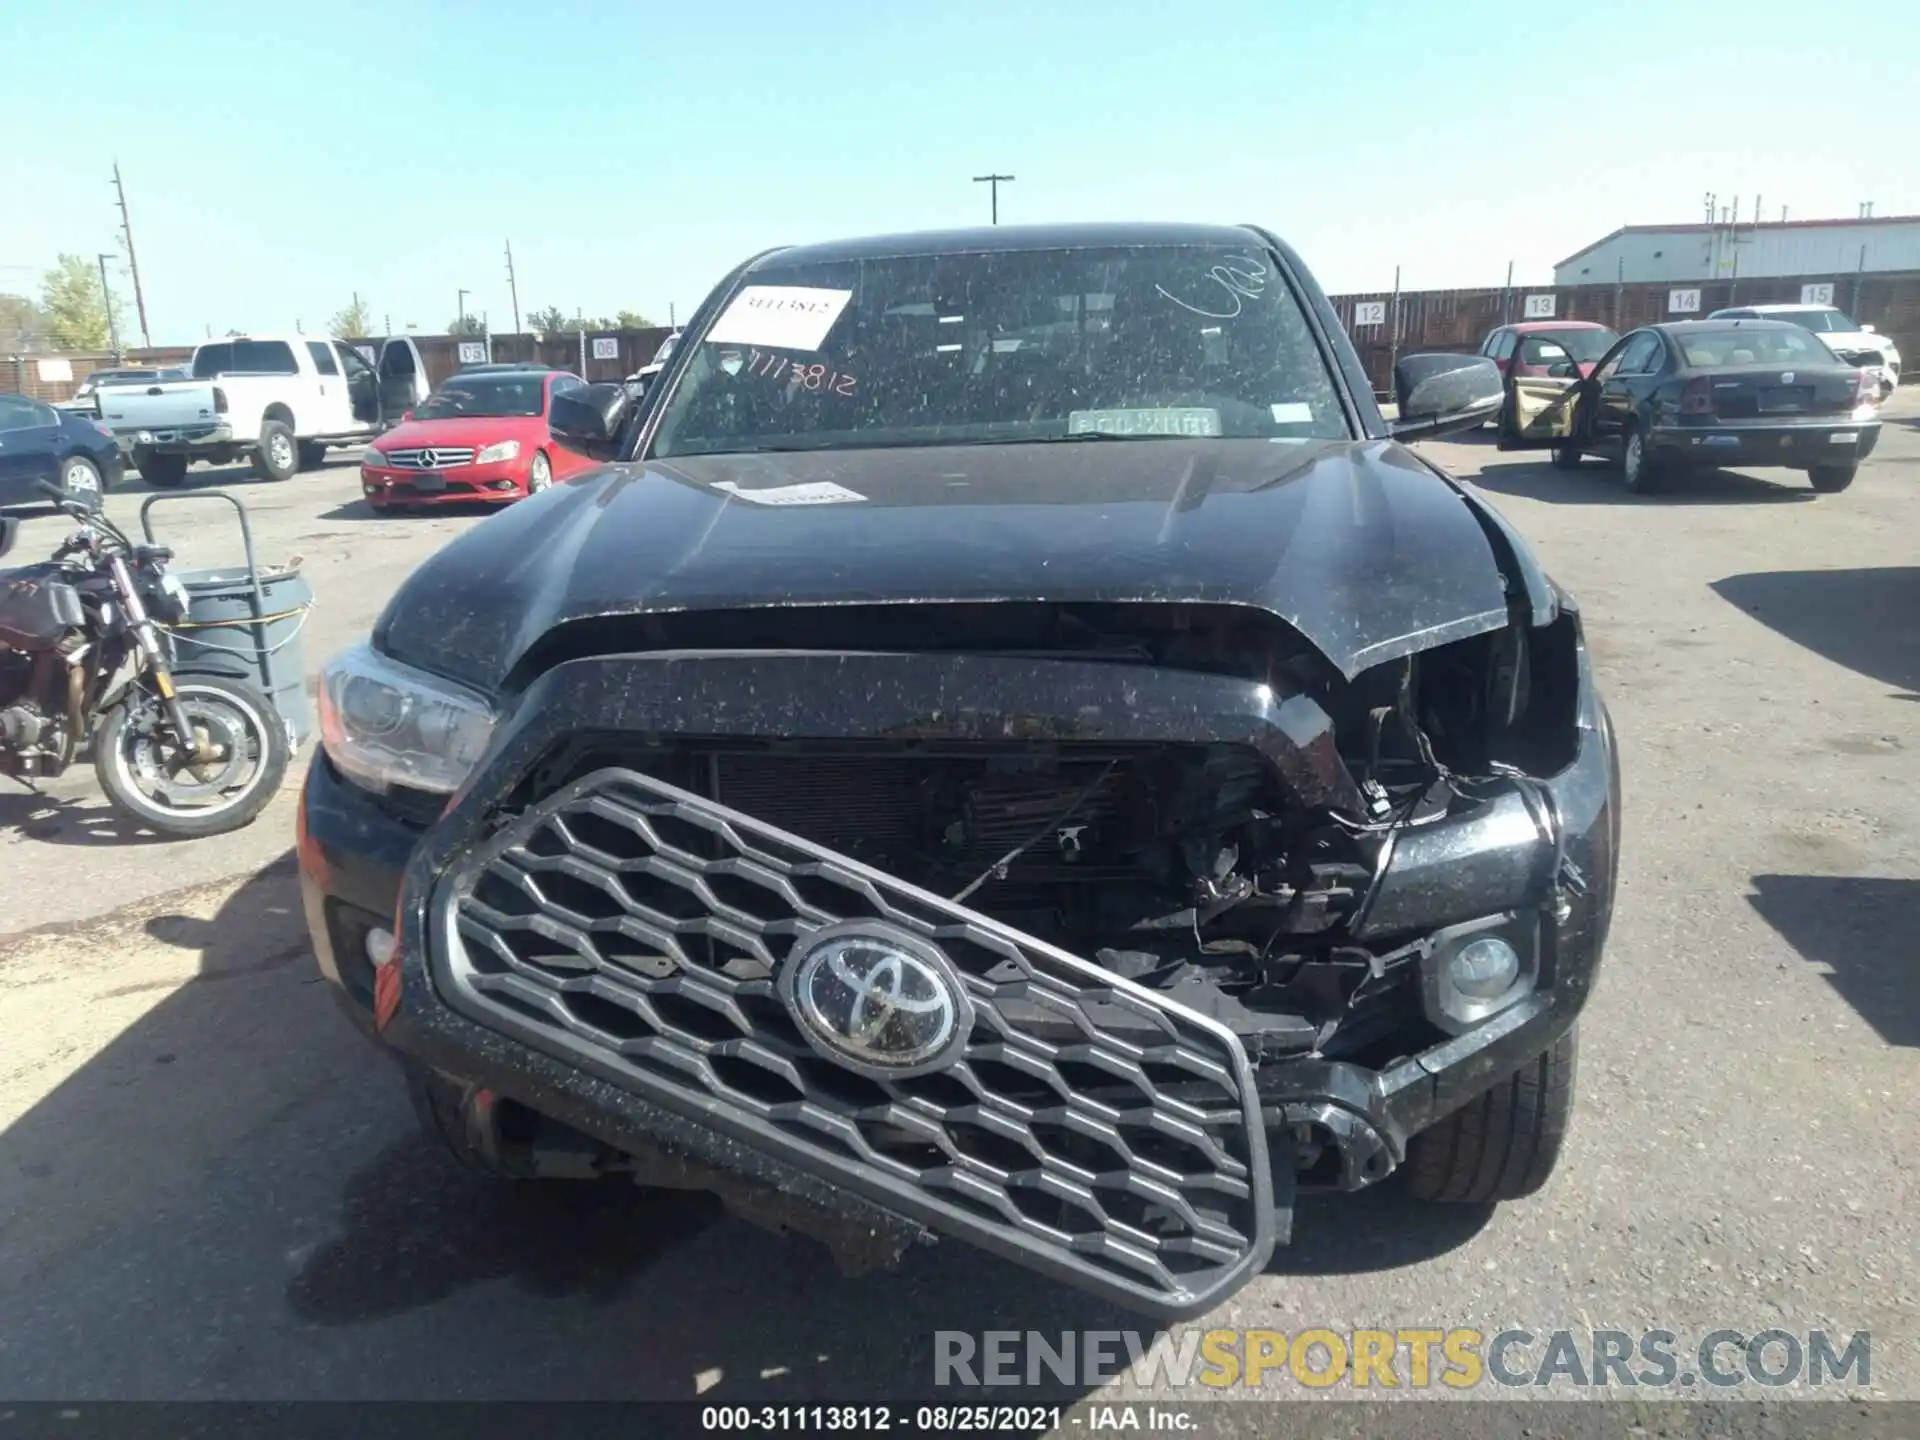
column 133, row 263
column 106, row 294
column 1619, row 291
column 1506, row 296
column 513, row 288
column 995, row 181
column 460, row 313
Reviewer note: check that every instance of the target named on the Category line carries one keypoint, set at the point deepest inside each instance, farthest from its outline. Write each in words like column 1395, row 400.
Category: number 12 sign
column 1369, row 312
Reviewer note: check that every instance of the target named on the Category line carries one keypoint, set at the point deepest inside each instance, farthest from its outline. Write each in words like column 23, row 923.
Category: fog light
column 1482, row 969
column 380, row 946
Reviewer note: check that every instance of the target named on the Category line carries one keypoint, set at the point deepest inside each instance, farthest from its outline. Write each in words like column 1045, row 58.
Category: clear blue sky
column 278, row 158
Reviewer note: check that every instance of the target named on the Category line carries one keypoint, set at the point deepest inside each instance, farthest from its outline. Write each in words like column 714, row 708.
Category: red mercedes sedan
column 481, row 436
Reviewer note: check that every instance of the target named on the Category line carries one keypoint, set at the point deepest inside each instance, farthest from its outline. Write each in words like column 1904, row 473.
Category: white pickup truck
column 280, row 400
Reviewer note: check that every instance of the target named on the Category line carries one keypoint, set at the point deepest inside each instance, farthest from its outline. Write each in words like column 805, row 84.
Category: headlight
column 385, row 724
column 376, row 458
column 505, row 450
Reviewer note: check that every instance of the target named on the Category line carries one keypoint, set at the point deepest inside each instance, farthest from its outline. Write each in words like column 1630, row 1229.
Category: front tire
column 80, row 478
column 277, row 456
column 1832, row 479
column 539, row 473
column 1504, row 1144
column 162, row 472
column 149, row 777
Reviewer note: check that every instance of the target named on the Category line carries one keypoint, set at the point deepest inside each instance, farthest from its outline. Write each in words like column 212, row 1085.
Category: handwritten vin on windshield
column 1240, row 278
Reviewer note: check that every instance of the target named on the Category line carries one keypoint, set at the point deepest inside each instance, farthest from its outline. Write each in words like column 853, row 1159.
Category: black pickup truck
column 1011, row 746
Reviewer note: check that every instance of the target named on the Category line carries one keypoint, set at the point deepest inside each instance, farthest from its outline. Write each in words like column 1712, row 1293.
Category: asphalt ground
column 211, row 1188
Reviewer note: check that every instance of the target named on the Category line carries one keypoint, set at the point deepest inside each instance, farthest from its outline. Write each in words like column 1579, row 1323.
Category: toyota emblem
column 877, row 999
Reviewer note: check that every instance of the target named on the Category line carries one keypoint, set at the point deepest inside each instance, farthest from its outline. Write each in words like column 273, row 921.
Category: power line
column 133, row 264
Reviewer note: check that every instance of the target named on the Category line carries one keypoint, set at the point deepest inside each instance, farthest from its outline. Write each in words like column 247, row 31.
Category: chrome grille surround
column 1087, row 1128
column 431, row 457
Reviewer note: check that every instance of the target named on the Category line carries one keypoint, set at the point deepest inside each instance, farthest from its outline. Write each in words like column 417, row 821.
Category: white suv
column 1855, row 344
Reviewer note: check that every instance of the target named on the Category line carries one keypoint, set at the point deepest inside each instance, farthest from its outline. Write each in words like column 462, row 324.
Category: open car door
column 402, row 375
column 1544, row 410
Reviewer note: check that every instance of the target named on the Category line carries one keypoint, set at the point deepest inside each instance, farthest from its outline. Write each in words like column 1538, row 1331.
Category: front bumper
column 1168, row 1203
column 1796, row 445
column 502, row 480
column 174, row 439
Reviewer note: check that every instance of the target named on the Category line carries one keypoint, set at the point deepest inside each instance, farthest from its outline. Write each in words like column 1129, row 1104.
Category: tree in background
column 554, row 321
column 77, row 317
column 22, row 326
column 351, row 323
column 466, row 325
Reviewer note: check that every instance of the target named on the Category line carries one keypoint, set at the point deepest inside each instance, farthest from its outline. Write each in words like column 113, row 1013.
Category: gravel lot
column 210, row 1187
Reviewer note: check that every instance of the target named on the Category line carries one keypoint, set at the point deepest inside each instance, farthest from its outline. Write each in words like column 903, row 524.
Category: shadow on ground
column 447, row 510
column 1865, row 930
column 238, row 1153
column 1862, row 619
column 69, row 820
column 1596, row 483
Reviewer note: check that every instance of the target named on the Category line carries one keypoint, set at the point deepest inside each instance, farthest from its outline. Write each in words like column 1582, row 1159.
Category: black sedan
column 1698, row 394
column 39, row 443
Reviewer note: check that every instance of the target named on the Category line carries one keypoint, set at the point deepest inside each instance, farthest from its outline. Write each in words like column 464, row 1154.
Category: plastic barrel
column 221, row 637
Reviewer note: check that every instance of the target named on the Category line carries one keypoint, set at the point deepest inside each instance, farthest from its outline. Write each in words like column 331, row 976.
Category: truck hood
column 1360, row 546
column 1860, row 340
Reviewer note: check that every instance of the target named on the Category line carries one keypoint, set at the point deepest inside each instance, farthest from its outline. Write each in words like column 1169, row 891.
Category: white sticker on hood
column 814, row 492
column 781, row 317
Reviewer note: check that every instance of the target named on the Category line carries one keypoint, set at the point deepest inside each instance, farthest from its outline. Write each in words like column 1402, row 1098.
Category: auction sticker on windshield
column 781, row 317
column 1182, row 421
column 818, row 492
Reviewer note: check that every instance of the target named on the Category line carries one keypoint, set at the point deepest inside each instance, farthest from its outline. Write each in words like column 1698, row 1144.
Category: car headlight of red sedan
column 502, row 450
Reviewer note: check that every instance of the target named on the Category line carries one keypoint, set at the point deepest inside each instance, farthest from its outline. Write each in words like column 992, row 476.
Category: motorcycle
column 83, row 658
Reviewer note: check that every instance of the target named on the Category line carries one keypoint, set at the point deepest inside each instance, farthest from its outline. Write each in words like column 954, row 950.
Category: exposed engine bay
column 1188, row 868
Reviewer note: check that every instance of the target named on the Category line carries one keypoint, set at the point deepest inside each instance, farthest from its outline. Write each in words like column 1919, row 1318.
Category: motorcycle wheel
column 152, row 778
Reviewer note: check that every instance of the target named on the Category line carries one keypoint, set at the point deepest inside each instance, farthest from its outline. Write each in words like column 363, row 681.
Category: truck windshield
column 1135, row 342
column 1825, row 321
column 484, row 395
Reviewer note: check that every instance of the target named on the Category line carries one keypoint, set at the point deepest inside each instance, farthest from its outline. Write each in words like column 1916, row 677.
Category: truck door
column 363, row 386
column 403, row 378
column 336, row 398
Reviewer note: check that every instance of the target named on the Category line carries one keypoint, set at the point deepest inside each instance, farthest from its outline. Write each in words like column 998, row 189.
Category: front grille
column 435, row 457
column 1086, row 1127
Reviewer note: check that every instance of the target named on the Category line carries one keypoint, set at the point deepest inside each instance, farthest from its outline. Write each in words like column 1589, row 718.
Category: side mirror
column 9, row 532
column 1439, row 394
column 589, row 420
column 1868, row 330
column 406, row 414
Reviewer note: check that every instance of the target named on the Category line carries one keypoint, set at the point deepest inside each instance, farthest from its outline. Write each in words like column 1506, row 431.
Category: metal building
column 1832, row 248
